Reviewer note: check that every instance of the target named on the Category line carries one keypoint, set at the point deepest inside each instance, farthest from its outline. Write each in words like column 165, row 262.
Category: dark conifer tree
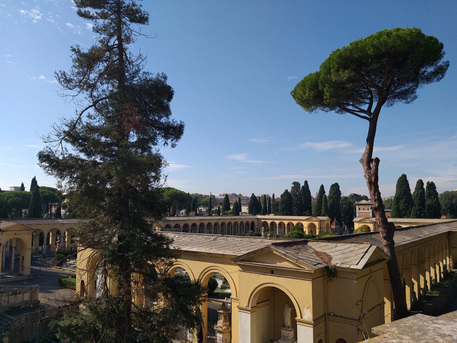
column 252, row 207
column 307, row 199
column 285, row 204
column 22, row 189
column 239, row 204
column 334, row 202
column 269, row 205
column 236, row 208
column 418, row 210
column 35, row 208
column 225, row 204
column 318, row 203
column 113, row 173
column 33, row 183
column 298, row 206
column 210, row 205
column 403, row 200
column 432, row 201
column 264, row 205
column 324, row 210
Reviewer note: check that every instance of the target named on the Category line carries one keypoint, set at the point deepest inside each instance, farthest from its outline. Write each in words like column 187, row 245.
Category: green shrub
column 68, row 282
column 212, row 285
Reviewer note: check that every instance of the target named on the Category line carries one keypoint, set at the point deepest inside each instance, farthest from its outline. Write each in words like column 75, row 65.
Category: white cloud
column 244, row 159
column 173, row 166
column 75, row 28
column 326, row 146
column 292, row 77
column 33, row 14
column 259, row 140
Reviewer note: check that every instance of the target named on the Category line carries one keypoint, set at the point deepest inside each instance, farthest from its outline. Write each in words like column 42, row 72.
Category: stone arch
column 184, row 266
column 185, row 227
column 252, row 300
column 201, row 228
column 216, row 228
column 206, row 273
column 11, row 250
column 236, row 228
column 177, row 227
column 252, row 226
column 372, row 304
column 209, row 228
column 229, row 228
column 289, row 227
column 281, row 229
column 272, row 305
column 223, row 229
column 167, row 228
column 311, row 229
column 364, row 228
column 193, row 228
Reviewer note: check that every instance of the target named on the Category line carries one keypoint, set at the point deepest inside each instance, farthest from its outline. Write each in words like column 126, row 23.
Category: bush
column 60, row 259
column 68, row 282
column 212, row 285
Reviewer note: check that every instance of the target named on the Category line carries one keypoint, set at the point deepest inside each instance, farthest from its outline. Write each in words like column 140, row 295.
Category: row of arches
column 46, row 242
column 278, row 228
column 423, row 266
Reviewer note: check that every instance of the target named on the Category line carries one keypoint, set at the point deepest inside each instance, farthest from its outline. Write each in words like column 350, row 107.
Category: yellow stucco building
column 331, row 290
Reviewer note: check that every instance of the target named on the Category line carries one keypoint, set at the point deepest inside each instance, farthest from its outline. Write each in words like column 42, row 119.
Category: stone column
column 415, row 282
column 12, row 252
column 244, row 325
column 53, row 239
column 204, row 313
column 222, row 327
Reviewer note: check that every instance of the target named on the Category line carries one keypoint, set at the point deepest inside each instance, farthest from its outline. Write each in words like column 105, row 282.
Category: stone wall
column 19, row 297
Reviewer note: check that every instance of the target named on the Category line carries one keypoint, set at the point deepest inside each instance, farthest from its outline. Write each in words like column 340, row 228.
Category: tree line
column 424, row 202
column 38, row 202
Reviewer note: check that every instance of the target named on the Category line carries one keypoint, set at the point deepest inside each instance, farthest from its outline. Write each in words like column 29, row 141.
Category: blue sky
column 232, row 65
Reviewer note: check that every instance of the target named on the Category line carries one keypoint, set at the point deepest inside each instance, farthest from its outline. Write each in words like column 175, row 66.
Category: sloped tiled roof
column 313, row 254
column 216, row 244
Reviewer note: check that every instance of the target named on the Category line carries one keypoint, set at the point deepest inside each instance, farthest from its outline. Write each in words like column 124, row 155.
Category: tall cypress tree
column 269, row 205
column 113, row 170
column 33, row 183
column 307, row 199
column 35, row 203
column 264, row 205
column 253, row 207
column 210, row 205
column 22, row 189
column 432, row 201
column 297, row 199
column 236, row 208
column 402, row 203
column 225, row 204
column 324, row 210
column 334, row 202
column 318, row 203
column 285, row 204
column 418, row 210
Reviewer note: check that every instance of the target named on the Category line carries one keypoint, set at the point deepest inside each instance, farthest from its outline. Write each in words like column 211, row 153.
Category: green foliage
column 112, row 170
column 403, row 200
column 174, row 200
column 296, row 233
column 334, row 203
column 14, row 203
column 432, row 201
column 236, row 209
column 298, row 206
column 448, row 201
column 254, row 206
column 418, row 210
column 347, row 212
column 225, row 204
column 386, row 67
column 324, row 211
column 212, row 285
column 286, row 204
column 307, row 199
column 318, row 203
column 68, row 282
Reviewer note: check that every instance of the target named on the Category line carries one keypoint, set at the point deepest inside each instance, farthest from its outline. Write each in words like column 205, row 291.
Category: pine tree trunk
column 386, row 229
